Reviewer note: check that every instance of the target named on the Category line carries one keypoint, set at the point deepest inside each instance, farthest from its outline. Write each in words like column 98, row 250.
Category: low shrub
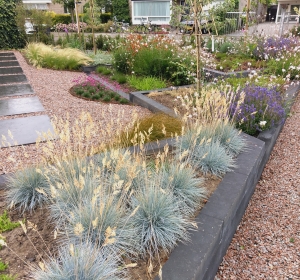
column 103, row 70
column 146, row 83
column 119, row 77
column 105, row 17
column 262, row 109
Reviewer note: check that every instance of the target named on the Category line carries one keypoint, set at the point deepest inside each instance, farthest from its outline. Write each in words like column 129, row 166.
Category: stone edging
column 217, row 222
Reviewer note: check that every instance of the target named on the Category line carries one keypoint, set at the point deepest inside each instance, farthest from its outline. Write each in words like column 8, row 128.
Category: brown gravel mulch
column 266, row 244
column 52, row 87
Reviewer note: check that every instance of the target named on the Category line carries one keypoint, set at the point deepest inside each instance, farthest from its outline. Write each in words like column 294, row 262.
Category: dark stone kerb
column 140, row 98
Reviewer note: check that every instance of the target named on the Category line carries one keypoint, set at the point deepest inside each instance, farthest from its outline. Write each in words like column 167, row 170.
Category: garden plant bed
column 44, row 244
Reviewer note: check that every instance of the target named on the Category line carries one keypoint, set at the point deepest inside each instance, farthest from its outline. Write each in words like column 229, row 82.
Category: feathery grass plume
column 158, row 220
column 71, row 183
column 41, row 55
column 223, row 131
column 80, row 137
column 27, row 189
column 211, row 157
column 212, row 105
column 98, row 216
column 81, row 262
column 188, row 190
column 125, row 172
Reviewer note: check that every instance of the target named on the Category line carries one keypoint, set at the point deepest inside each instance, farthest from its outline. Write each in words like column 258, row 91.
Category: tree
column 105, row 5
column 120, row 10
column 10, row 36
column 68, row 4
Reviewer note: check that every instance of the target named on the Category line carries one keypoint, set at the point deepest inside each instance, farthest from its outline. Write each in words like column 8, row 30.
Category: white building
column 286, row 8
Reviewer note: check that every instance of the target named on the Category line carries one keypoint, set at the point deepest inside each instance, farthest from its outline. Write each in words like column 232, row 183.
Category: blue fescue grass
column 188, row 190
column 82, row 262
column 95, row 218
column 27, row 189
column 72, row 182
column 226, row 133
column 158, row 221
column 211, row 157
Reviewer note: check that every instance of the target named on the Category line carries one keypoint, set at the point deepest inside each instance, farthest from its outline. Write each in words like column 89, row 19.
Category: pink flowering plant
column 90, row 88
column 71, row 27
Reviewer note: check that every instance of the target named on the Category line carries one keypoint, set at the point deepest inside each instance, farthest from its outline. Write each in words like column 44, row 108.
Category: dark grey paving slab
column 12, row 79
column 9, row 63
column 5, row 58
column 11, row 70
column 24, row 130
column 6, row 54
column 9, row 107
column 12, row 90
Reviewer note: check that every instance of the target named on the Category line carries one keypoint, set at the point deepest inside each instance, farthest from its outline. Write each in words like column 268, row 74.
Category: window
column 158, row 12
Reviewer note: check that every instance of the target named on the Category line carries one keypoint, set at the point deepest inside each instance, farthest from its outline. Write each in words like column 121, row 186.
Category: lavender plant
column 262, row 109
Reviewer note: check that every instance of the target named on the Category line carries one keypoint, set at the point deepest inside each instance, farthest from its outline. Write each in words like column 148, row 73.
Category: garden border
column 218, row 220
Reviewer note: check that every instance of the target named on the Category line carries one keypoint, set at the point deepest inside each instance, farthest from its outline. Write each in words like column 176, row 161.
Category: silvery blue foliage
column 159, row 222
column 81, row 262
column 181, row 180
column 212, row 157
column 96, row 217
column 27, row 189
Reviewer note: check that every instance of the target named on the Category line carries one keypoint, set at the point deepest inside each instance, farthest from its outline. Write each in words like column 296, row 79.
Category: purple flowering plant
column 262, row 109
column 273, row 47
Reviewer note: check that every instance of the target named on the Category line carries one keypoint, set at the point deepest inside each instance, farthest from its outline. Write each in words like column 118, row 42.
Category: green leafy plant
column 146, row 83
column 6, row 224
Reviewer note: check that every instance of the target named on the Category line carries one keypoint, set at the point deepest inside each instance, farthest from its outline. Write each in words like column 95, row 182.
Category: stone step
column 6, row 54
column 9, row 79
column 10, row 70
column 9, row 63
column 16, row 106
column 6, row 58
column 24, row 130
column 14, row 90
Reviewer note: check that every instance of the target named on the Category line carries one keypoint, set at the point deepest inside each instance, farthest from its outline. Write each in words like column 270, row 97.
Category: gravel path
column 52, row 88
column 267, row 242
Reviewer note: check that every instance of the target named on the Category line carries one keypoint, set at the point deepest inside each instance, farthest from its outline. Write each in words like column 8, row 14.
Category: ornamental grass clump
column 158, row 220
column 41, row 55
column 262, row 109
column 27, row 189
column 188, row 189
column 211, row 157
column 83, row 261
column 155, row 127
column 91, row 219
